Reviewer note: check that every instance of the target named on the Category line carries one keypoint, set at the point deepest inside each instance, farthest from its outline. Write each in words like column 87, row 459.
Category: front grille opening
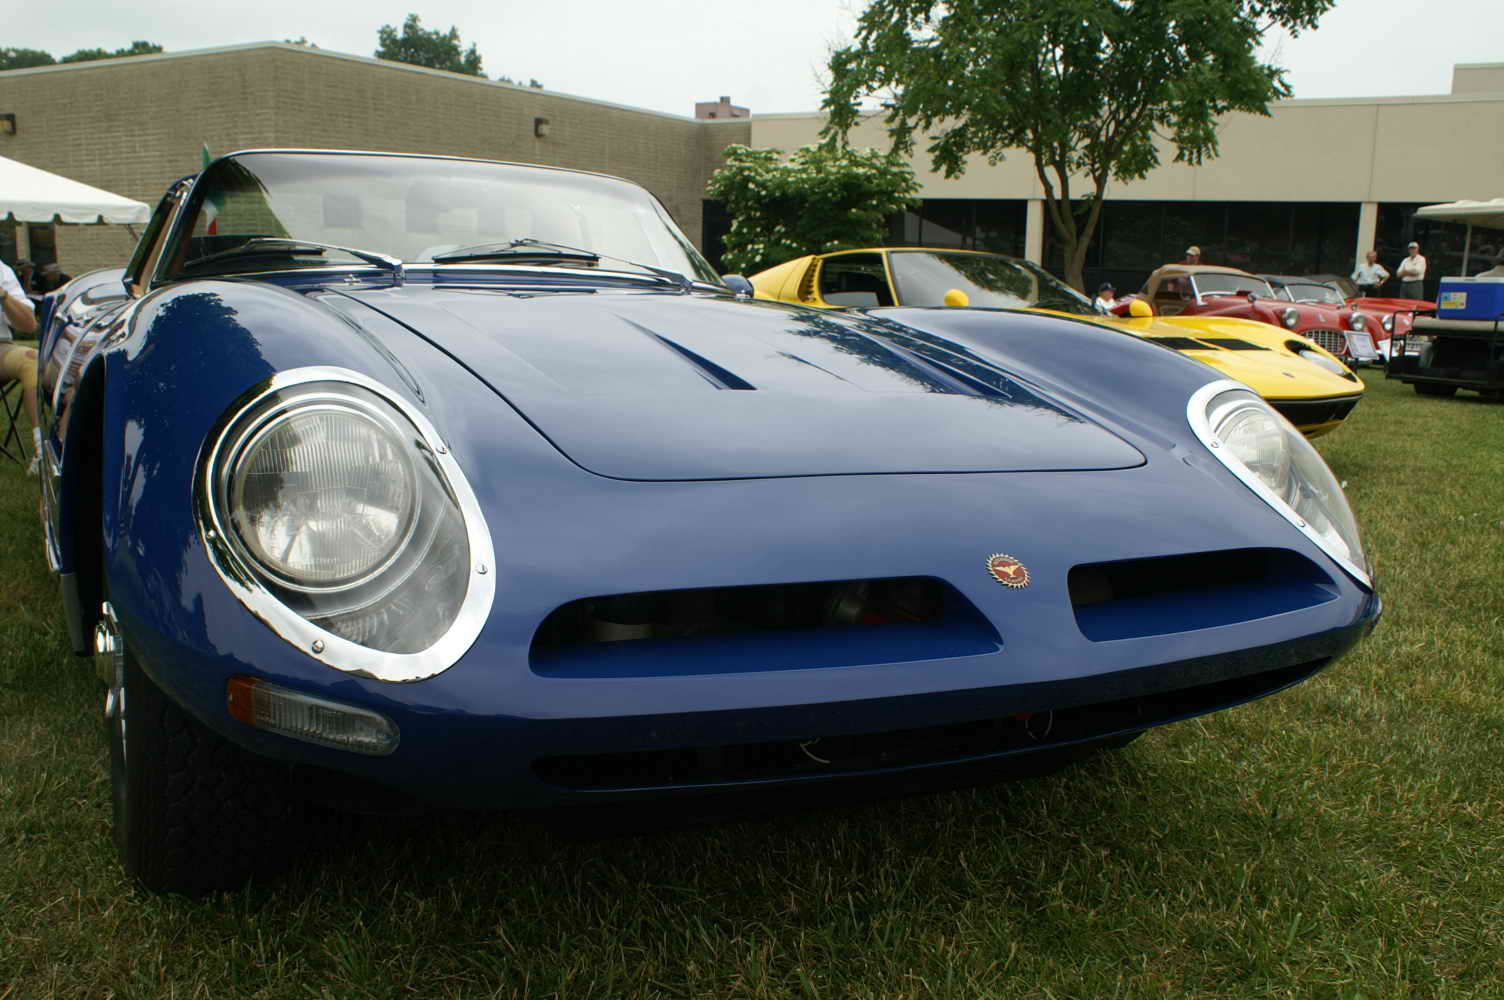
column 1332, row 341
column 866, row 753
column 1161, row 596
column 775, row 627
column 1312, row 412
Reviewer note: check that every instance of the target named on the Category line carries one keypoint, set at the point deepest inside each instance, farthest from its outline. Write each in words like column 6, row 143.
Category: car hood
column 649, row 386
column 1248, row 356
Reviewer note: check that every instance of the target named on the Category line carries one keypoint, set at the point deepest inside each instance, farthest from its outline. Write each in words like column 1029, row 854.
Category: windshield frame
column 169, row 267
column 1333, row 296
column 1204, row 295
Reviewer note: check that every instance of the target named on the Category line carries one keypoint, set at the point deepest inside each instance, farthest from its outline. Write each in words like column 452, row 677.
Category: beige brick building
column 132, row 126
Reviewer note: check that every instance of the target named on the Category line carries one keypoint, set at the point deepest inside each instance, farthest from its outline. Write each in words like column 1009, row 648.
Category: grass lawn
column 1343, row 839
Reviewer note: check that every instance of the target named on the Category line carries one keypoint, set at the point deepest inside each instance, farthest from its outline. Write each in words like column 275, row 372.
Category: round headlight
column 324, row 497
column 1358, row 322
column 1274, row 460
column 1290, row 317
column 331, row 509
column 1388, row 322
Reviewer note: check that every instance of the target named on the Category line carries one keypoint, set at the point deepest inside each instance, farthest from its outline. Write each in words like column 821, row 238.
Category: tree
column 1086, row 87
column 24, row 58
column 420, row 47
column 133, row 49
column 821, row 198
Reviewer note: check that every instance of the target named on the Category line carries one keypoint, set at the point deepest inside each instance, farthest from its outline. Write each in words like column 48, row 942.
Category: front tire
column 193, row 812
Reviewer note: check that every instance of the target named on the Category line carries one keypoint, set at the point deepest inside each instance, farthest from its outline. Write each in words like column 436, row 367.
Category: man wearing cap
column 1192, row 256
column 1412, row 273
column 1107, row 296
column 17, row 363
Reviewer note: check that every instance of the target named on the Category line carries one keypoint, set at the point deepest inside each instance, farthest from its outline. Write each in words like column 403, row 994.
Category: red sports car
column 1205, row 290
column 1395, row 316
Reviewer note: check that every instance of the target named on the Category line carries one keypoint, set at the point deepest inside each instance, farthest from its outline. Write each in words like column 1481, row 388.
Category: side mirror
column 958, row 298
column 738, row 284
column 1139, row 309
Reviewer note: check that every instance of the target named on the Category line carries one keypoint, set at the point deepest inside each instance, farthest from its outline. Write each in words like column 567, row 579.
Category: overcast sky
column 768, row 55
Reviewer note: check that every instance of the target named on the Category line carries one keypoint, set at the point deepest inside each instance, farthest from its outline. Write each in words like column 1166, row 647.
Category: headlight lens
column 1358, row 321
column 332, row 511
column 1317, row 358
column 1265, row 451
column 1388, row 322
column 324, row 496
column 1290, row 317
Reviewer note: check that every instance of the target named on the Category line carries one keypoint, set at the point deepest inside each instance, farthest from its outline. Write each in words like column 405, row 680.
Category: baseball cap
column 1193, row 251
column 1105, row 286
column 1412, row 243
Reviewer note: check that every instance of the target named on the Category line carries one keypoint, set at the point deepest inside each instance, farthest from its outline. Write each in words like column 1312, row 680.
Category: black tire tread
column 203, row 814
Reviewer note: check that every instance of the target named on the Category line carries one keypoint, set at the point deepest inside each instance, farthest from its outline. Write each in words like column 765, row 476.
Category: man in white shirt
column 1107, row 297
column 1370, row 275
column 17, row 363
column 1412, row 274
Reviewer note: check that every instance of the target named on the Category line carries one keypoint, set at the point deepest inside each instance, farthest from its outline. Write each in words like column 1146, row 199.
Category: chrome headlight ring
column 1290, row 317
column 287, row 605
column 1387, row 322
column 1285, row 459
column 1358, row 322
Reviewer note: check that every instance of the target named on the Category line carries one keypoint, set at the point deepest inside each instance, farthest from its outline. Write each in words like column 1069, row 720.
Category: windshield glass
column 923, row 277
column 413, row 208
column 1314, row 293
column 1231, row 284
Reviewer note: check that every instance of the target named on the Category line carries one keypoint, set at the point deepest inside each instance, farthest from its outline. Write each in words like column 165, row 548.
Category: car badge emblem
column 1008, row 571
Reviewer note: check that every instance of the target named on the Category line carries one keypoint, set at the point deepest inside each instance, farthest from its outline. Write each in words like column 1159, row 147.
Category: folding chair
column 11, row 445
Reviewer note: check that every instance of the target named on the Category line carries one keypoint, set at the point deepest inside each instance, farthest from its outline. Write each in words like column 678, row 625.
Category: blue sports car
column 380, row 480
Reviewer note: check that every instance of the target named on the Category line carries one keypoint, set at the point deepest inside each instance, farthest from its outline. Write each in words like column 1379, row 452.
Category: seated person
column 51, row 279
column 19, row 363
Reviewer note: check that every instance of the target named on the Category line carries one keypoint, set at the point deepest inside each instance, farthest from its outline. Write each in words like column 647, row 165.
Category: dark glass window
column 715, row 224
column 1441, row 243
column 855, row 279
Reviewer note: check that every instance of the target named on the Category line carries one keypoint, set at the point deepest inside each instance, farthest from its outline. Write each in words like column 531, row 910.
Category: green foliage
column 1084, row 86
column 419, row 46
column 24, row 58
column 133, row 49
column 532, row 82
column 821, row 198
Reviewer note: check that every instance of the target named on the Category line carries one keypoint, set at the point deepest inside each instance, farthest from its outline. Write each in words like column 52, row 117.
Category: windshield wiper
column 273, row 246
column 526, row 248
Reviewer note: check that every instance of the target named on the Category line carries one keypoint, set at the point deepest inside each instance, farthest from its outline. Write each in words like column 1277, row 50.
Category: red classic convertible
column 1205, row 290
column 1395, row 316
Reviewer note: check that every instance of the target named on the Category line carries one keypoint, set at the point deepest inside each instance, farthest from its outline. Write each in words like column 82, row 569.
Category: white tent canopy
column 1488, row 214
column 31, row 195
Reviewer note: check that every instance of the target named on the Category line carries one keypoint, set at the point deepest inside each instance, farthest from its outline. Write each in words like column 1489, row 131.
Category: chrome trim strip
column 326, row 647
column 1196, row 414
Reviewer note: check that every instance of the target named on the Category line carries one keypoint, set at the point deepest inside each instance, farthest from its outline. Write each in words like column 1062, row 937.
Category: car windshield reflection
column 415, row 209
column 922, row 278
column 1211, row 285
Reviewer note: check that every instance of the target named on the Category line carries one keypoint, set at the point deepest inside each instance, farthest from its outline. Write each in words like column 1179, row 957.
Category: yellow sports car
column 1313, row 390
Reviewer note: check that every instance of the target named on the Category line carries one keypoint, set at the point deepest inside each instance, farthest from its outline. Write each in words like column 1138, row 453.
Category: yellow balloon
column 956, row 297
